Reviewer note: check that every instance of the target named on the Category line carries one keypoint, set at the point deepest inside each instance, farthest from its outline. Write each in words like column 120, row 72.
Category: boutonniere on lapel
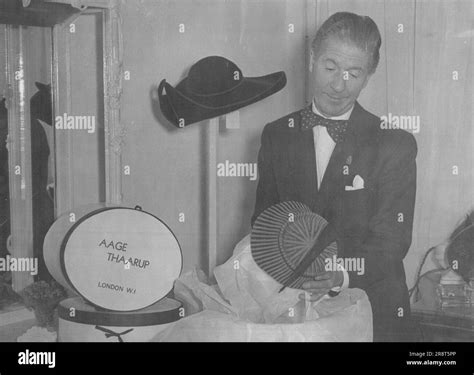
column 357, row 184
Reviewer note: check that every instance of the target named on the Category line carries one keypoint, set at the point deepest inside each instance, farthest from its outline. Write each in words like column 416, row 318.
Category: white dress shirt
column 324, row 144
column 323, row 147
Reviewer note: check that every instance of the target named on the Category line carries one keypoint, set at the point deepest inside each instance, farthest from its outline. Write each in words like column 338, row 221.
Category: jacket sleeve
column 390, row 227
column 267, row 193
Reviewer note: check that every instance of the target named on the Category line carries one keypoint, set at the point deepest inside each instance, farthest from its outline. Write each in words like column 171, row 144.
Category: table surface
column 459, row 317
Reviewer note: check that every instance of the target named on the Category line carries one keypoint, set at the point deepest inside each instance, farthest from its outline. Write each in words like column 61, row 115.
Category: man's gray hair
column 360, row 31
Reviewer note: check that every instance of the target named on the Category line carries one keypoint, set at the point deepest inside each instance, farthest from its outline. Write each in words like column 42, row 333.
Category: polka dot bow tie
column 336, row 128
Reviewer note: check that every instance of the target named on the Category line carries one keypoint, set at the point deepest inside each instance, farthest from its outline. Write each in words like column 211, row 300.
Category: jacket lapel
column 334, row 180
column 303, row 165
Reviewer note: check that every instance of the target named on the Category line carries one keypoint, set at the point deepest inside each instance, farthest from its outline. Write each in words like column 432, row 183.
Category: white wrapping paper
column 245, row 306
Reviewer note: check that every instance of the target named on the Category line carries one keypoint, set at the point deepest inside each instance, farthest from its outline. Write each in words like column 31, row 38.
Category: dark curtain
column 43, row 207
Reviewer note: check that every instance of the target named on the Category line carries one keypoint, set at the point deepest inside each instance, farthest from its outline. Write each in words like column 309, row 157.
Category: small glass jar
column 455, row 295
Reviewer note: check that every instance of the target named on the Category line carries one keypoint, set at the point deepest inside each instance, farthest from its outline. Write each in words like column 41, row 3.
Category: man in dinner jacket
column 352, row 170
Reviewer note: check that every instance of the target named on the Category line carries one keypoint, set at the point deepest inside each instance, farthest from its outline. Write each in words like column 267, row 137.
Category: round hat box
column 117, row 258
column 81, row 322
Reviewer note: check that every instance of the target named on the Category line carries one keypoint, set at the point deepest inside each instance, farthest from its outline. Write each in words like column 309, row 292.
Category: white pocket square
column 357, row 184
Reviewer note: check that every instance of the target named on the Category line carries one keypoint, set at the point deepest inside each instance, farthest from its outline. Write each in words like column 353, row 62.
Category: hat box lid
column 77, row 310
column 117, row 258
column 80, row 321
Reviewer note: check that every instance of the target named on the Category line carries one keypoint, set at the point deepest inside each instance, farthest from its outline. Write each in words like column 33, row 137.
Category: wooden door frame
column 20, row 242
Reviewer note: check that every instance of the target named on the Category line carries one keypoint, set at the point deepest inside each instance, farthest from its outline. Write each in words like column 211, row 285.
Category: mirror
column 60, row 66
column 26, row 114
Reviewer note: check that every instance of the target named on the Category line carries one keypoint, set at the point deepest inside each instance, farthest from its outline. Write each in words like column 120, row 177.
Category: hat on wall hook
column 215, row 86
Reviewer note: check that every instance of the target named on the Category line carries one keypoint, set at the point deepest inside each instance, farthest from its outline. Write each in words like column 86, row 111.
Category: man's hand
column 322, row 284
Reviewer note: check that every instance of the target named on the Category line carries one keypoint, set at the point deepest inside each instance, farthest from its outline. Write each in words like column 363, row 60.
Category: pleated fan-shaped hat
column 291, row 243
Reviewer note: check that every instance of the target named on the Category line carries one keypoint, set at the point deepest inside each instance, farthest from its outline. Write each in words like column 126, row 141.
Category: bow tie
column 336, row 128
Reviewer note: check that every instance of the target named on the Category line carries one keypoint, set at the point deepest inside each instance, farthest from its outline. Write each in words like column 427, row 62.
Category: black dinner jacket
column 374, row 223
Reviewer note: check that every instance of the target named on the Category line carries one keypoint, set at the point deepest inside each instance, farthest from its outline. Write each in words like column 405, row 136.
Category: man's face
column 340, row 72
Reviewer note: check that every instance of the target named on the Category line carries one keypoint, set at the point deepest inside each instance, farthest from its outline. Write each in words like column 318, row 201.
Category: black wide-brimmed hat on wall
column 214, row 87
